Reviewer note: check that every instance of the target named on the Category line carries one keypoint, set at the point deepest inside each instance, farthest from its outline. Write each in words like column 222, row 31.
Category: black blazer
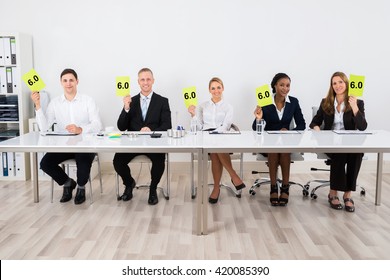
column 291, row 110
column 351, row 122
column 158, row 117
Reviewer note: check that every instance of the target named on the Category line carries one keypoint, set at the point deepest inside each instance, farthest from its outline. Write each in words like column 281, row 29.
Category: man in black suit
column 147, row 111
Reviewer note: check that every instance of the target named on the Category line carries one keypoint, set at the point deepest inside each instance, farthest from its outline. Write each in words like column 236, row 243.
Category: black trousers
column 50, row 165
column 121, row 161
column 344, row 170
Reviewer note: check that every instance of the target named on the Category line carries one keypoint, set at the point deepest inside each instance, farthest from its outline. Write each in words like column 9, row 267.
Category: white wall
column 185, row 43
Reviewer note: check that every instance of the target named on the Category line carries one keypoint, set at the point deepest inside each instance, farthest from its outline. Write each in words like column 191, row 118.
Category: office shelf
column 15, row 103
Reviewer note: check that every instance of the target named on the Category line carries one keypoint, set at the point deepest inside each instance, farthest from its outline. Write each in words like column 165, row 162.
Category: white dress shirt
column 81, row 111
column 142, row 97
column 280, row 113
column 218, row 116
column 338, row 123
column 145, row 99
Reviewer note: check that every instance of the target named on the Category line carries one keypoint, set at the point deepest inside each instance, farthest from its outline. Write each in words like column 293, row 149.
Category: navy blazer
column 291, row 110
column 158, row 116
column 351, row 122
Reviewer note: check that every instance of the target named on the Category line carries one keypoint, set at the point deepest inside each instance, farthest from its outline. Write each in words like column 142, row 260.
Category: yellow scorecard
column 190, row 97
column 122, row 85
column 33, row 81
column 356, row 85
column 264, row 96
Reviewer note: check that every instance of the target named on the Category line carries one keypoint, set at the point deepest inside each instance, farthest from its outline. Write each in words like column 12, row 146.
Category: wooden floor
column 240, row 228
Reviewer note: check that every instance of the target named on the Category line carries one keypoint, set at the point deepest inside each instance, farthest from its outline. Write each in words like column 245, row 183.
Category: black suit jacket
column 351, row 122
column 158, row 117
column 291, row 110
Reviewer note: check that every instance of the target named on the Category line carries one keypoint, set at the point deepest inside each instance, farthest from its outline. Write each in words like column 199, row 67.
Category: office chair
column 142, row 159
column 262, row 181
column 322, row 182
column 233, row 156
column 72, row 162
column 265, row 180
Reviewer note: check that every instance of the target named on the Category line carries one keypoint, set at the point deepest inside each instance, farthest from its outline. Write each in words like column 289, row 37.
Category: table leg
column 205, row 191
column 379, row 171
column 199, row 194
column 35, row 176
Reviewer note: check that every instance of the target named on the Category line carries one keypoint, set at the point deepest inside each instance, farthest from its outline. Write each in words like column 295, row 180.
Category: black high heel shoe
column 274, row 200
column 337, row 206
column 349, row 208
column 239, row 187
column 214, row 200
column 284, row 193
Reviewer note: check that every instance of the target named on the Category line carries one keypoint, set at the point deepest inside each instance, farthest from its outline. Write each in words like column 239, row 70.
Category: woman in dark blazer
column 340, row 111
column 278, row 116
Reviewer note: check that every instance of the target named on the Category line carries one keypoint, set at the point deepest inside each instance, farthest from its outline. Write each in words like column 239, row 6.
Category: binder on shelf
column 3, row 80
column 8, row 72
column 19, row 164
column 7, row 50
column 4, row 159
column 11, row 163
column 13, row 50
column 15, row 79
column 2, row 59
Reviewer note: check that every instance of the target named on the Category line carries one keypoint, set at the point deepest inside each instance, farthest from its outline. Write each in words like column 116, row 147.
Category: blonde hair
column 216, row 79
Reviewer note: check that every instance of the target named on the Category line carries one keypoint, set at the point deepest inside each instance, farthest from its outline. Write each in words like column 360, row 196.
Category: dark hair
column 69, row 71
column 277, row 78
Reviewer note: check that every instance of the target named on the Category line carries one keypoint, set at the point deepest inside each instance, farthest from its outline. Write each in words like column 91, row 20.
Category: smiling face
column 338, row 85
column 282, row 87
column 216, row 90
column 145, row 81
column 69, row 83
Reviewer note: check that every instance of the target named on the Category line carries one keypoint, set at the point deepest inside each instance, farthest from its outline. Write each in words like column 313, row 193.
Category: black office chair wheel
column 238, row 195
column 167, row 198
column 305, row 190
column 313, row 196
column 252, row 192
column 193, row 196
column 363, row 192
column 118, row 198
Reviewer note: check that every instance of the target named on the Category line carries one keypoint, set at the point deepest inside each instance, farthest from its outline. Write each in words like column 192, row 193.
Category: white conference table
column 306, row 141
column 204, row 143
column 33, row 143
